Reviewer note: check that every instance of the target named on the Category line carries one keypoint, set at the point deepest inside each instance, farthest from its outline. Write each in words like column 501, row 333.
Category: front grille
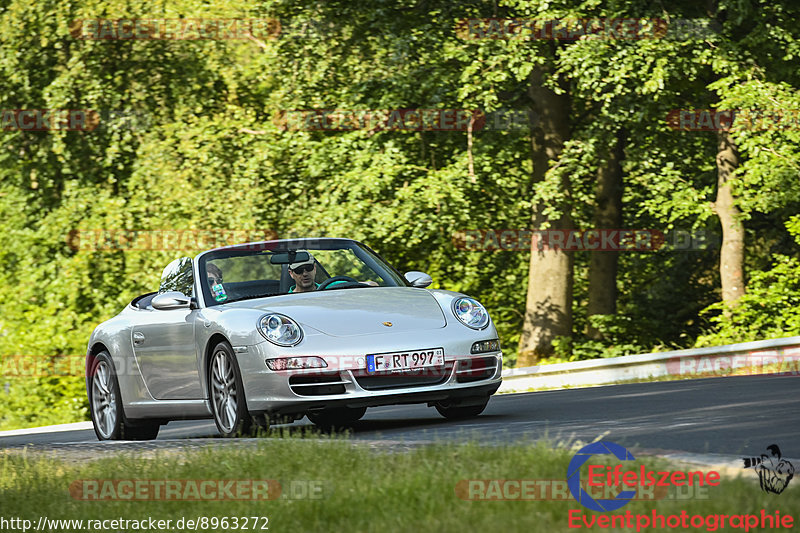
column 318, row 385
column 421, row 377
column 476, row 369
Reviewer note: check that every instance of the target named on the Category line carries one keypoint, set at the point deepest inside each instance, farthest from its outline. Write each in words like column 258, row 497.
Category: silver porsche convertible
column 274, row 331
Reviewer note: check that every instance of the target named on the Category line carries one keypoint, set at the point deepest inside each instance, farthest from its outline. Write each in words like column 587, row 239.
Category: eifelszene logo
column 574, row 476
column 774, row 472
column 606, row 476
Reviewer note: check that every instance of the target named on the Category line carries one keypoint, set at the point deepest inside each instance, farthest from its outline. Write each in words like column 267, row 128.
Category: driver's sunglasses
column 214, row 280
column 303, row 269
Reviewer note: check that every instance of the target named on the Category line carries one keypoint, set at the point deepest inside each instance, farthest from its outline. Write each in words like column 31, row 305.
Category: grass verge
column 362, row 488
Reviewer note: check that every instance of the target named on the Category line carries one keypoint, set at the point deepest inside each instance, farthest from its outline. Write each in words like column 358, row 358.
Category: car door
column 164, row 342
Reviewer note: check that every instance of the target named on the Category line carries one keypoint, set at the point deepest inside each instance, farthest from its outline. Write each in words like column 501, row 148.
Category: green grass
column 364, row 488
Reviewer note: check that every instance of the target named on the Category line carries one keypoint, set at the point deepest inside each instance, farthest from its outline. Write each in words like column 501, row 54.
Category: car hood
column 359, row 311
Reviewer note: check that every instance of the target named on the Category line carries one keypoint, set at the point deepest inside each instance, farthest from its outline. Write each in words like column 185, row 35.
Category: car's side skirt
column 171, row 409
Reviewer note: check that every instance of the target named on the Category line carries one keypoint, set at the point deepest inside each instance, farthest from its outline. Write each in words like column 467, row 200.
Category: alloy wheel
column 104, row 400
column 224, row 393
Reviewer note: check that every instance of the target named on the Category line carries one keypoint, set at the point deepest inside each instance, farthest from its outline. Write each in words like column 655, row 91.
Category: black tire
column 226, row 393
column 105, row 405
column 460, row 412
column 336, row 417
column 141, row 430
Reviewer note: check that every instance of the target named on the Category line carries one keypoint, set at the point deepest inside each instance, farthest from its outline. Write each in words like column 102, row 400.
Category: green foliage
column 616, row 331
column 205, row 152
column 44, row 401
column 769, row 309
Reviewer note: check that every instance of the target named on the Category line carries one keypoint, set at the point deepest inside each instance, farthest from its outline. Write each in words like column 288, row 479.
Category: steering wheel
column 328, row 282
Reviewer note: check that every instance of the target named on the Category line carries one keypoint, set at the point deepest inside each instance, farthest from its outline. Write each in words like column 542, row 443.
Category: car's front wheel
column 105, row 402
column 226, row 393
column 336, row 417
column 459, row 412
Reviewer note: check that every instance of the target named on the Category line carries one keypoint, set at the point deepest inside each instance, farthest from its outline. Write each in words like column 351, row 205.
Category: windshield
column 290, row 267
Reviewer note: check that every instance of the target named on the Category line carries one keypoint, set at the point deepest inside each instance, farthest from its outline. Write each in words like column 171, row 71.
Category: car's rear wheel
column 459, row 412
column 226, row 393
column 105, row 402
column 336, row 417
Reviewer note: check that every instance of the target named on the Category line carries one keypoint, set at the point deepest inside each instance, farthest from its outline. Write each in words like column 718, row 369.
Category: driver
column 303, row 274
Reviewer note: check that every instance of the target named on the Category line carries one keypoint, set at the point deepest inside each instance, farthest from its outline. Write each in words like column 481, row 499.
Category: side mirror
column 171, row 300
column 418, row 279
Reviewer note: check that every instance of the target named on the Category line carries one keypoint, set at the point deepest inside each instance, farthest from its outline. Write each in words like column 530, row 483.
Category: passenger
column 213, row 274
column 214, row 277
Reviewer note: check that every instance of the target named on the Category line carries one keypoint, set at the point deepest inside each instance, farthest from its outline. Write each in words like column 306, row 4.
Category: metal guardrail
column 772, row 356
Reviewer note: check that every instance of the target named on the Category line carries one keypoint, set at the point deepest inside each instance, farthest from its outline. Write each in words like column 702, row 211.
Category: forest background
column 680, row 121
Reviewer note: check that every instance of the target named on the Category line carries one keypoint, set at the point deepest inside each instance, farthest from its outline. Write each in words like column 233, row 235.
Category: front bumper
column 465, row 378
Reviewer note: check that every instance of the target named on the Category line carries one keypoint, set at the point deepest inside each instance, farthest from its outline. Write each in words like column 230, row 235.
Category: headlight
column 280, row 329
column 296, row 363
column 471, row 313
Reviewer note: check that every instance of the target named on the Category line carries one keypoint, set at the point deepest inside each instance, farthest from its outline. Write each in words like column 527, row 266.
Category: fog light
column 296, row 363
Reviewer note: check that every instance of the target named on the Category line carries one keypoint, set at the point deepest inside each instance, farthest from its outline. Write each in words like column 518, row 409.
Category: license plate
column 409, row 360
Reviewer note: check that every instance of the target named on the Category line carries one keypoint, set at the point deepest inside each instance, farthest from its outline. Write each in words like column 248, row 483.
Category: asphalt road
column 731, row 416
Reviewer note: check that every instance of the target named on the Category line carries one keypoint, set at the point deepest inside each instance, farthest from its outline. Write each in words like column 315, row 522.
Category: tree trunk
column 548, row 310
column 731, row 257
column 607, row 215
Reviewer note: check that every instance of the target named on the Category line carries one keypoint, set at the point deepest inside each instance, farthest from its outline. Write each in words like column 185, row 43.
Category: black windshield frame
column 370, row 258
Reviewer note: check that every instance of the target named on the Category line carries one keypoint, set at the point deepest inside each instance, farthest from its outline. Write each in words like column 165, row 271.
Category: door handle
column 138, row 338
